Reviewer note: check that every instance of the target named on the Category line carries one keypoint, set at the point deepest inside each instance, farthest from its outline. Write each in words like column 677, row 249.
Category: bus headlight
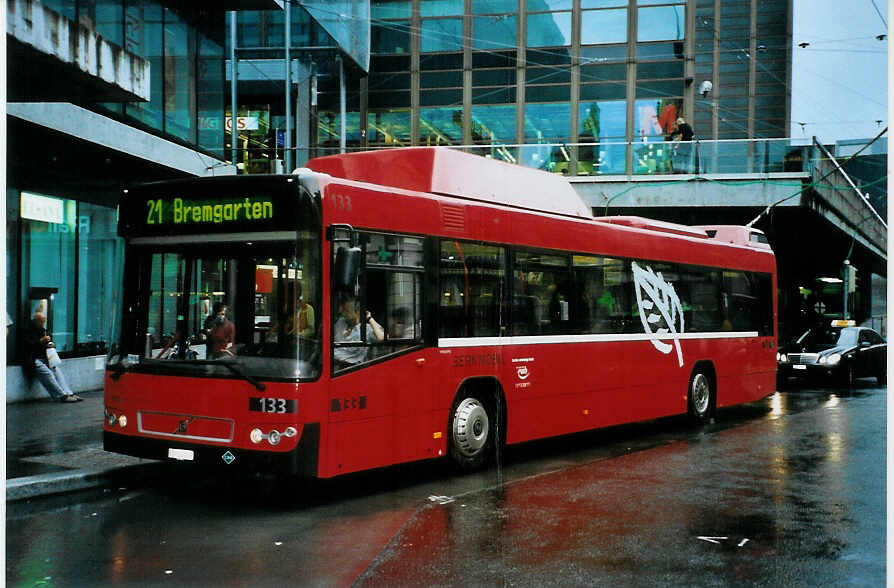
column 122, row 421
column 111, row 418
column 273, row 437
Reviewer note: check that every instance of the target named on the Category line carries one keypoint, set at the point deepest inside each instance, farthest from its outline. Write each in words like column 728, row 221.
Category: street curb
column 71, row 481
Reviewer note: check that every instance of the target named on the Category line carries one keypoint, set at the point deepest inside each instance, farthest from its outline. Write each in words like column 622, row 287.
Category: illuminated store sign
column 243, row 123
column 42, row 208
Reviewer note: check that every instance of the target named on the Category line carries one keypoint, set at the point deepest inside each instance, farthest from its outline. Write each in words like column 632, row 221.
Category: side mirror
column 347, row 267
column 865, row 344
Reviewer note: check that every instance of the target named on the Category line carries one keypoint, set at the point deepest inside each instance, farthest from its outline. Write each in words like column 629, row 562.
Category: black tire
column 848, row 378
column 472, row 429
column 701, row 396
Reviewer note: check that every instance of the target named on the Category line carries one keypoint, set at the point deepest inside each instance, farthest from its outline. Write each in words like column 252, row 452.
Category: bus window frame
column 139, row 249
column 511, row 252
column 360, row 237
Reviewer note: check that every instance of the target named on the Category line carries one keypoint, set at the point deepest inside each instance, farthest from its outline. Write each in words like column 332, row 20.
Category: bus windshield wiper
column 236, row 369
column 233, row 367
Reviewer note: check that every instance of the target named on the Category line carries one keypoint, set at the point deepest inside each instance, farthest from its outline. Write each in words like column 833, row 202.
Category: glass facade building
column 592, row 82
column 63, row 254
column 581, row 87
column 186, row 59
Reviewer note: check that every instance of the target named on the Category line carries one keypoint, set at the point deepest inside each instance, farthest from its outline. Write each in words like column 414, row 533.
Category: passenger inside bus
column 220, row 332
column 302, row 321
column 401, row 325
column 297, row 319
column 347, row 330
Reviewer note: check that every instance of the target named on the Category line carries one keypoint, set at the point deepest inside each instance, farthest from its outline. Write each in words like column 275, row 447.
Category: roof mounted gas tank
column 738, row 235
column 640, row 222
column 449, row 172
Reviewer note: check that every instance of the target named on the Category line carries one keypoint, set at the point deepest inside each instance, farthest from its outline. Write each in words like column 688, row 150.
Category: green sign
column 229, row 204
column 178, row 211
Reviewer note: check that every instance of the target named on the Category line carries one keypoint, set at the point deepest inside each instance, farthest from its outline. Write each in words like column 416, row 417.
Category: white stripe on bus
column 596, row 338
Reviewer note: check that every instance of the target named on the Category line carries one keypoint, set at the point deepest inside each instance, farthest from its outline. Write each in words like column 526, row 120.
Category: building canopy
column 347, row 22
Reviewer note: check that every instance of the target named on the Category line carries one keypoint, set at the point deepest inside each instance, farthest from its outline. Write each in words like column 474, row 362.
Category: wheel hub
column 701, row 394
column 470, row 427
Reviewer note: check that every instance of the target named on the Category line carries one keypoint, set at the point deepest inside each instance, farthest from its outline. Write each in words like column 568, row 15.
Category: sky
column 840, row 80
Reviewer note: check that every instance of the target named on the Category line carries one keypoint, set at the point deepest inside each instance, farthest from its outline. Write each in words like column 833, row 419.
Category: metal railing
column 635, row 158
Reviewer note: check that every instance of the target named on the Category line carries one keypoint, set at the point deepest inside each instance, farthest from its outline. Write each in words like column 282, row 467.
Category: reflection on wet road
column 789, row 491
column 796, row 498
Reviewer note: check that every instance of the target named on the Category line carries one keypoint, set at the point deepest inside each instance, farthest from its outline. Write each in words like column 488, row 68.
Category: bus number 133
column 273, row 405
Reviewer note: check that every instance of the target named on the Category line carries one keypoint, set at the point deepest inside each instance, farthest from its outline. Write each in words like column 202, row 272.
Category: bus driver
column 347, row 329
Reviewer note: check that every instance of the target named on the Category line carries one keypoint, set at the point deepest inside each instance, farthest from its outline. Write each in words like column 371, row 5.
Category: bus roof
column 654, row 225
column 445, row 171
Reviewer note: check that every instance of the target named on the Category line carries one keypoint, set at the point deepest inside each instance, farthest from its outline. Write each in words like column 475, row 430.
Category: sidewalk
column 54, row 447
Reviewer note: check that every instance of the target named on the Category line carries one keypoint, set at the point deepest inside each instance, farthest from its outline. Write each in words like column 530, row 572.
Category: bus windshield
column 252, row 304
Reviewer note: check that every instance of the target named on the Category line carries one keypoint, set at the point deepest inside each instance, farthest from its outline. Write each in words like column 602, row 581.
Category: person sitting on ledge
column 42, row 361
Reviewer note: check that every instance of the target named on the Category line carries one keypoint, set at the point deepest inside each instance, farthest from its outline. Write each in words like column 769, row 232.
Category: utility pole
column 844, row 287
column 234, row 132
column 342, row 142
column 287, row 144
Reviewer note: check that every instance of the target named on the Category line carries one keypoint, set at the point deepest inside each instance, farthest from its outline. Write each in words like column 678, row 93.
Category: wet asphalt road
column 789, row 491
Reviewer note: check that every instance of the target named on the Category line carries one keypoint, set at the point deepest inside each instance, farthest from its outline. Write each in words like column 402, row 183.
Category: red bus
column 384, row 307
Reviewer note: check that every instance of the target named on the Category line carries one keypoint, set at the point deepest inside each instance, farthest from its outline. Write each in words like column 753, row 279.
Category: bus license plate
column 181, row 454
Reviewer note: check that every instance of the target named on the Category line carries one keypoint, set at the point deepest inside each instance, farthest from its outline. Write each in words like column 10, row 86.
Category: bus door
column 380, row 369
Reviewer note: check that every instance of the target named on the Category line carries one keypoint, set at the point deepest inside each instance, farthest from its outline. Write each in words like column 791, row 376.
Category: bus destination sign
column 181, row 212
column 214, row 206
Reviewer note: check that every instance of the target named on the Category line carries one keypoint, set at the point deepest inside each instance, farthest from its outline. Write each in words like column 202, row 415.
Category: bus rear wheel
column 471, row 433
column 701, row 396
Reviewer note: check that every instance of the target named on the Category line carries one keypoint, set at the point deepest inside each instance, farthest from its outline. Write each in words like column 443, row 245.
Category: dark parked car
column 841, row 351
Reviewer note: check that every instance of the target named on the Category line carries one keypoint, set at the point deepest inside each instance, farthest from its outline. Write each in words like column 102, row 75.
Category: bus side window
column 472, row 289
column 389, row 287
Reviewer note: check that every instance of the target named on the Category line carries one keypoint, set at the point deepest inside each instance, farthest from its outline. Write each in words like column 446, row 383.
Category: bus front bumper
column 303, row 460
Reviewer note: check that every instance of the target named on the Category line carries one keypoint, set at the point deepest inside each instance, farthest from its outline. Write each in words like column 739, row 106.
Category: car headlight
column 834, row 359
column 782, row 358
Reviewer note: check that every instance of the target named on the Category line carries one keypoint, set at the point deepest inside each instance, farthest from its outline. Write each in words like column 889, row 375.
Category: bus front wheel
column 471, row 433
column 701, row 396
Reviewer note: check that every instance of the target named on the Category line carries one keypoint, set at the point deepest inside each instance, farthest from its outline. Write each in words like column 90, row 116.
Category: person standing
column 683, row 131
column 682, row 159
column 221, row 333
column 301, row 320
column 41, row 362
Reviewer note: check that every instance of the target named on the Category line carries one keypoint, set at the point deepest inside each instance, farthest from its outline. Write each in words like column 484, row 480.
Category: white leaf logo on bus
column 523, row 372
column 660, row 309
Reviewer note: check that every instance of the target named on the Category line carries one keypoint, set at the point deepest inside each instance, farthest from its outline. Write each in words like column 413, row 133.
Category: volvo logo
column 181, row 426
